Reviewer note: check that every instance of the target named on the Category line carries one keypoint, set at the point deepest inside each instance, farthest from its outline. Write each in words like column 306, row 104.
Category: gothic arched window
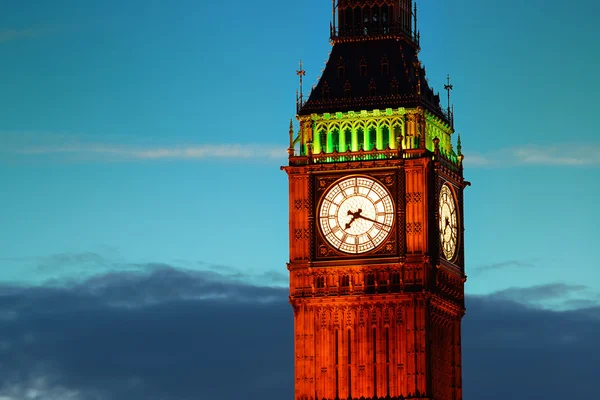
column 335, row 140
column 347, row 90
column 385, row 65
column 372, row 88
column 322, row 141
column 394, row 86
column 360, row 138
column 348, row 138
column 385, row 137
column 345, row 281
column 320, row 282
column 363, row 67
column 372, row 138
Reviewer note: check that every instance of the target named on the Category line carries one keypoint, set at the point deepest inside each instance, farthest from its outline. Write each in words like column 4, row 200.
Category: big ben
column 376, row 219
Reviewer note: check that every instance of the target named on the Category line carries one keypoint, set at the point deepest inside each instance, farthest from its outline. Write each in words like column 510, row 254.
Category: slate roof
column 372, row 88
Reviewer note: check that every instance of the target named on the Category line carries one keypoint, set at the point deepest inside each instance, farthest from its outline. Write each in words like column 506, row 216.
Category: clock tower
column 375, row 219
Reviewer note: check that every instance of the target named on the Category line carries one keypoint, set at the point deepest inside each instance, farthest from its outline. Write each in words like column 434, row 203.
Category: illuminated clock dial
column 448, row 222
column 356, row 214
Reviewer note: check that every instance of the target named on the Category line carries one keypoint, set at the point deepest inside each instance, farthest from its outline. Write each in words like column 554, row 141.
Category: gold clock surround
column 356, row 214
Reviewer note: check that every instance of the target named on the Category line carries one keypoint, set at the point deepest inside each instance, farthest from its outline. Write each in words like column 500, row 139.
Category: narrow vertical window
column 384, row 19
column 372, row 138
column 323, row 141
column 385, row 65
column 320, row 282
column 395, row 281
column 397, row 133
column 370, row 279
column 394, row 87
column 335, row 140
column 385, row 137
column 360, row 138
column 347, row 90
column 348, row 23
column 325, row 91
column 372, row 87
column 348, row 137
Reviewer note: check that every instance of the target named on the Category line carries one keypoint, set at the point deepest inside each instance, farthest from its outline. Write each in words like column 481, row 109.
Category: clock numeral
column 343, row 193
column 344, row 238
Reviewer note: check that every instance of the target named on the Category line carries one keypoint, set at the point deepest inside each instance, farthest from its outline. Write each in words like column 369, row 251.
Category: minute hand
column 373, row 221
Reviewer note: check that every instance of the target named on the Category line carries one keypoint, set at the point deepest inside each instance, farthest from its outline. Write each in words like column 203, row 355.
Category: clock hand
column 354, row 216
column 375, row 222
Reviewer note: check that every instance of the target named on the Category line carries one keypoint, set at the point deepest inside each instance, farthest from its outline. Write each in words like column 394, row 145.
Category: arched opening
column 372, row 133
column 335, row 141
column 321, row 146
column 348, row 139
column 360, row 138
column 385, row 137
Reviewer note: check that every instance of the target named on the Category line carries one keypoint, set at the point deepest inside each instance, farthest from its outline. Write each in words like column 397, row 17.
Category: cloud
column 503, row 265
column 63, row 269
column 162, row 284
column 566, row 155
column 114, row 152
column 540, row 293
column 535, row 350
column 102, row 339
column 164, row 334
column 61, row 260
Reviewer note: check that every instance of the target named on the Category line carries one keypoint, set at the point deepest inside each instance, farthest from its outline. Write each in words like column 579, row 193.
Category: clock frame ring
column 449, row 222
column 355, row 215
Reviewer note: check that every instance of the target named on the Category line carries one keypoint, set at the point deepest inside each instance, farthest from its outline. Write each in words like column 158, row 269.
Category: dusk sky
column 143, row 215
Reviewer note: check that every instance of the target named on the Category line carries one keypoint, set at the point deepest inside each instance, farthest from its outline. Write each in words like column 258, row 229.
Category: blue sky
column 153, row 133
column 144, row 134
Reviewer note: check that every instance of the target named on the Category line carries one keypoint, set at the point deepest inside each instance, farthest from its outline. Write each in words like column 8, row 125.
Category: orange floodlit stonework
column 375, row 219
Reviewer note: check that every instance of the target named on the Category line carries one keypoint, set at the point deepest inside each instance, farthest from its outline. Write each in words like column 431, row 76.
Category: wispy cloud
column 535, row 155
column 504, row 265
column 60, row 269
column 10, row 35
column 535, row 295
column 115, row 152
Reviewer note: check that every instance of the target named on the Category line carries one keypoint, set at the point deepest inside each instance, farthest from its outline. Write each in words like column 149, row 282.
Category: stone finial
column 291, row 132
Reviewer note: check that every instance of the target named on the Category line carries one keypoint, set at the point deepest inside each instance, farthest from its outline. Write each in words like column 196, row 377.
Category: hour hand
column 354, row 216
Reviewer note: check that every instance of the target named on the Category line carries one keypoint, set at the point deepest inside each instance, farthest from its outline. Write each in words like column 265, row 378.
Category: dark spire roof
column 372, row 74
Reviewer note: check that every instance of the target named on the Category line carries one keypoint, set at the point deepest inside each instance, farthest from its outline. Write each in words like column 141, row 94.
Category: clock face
column 448, row 223
column 356, row 214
